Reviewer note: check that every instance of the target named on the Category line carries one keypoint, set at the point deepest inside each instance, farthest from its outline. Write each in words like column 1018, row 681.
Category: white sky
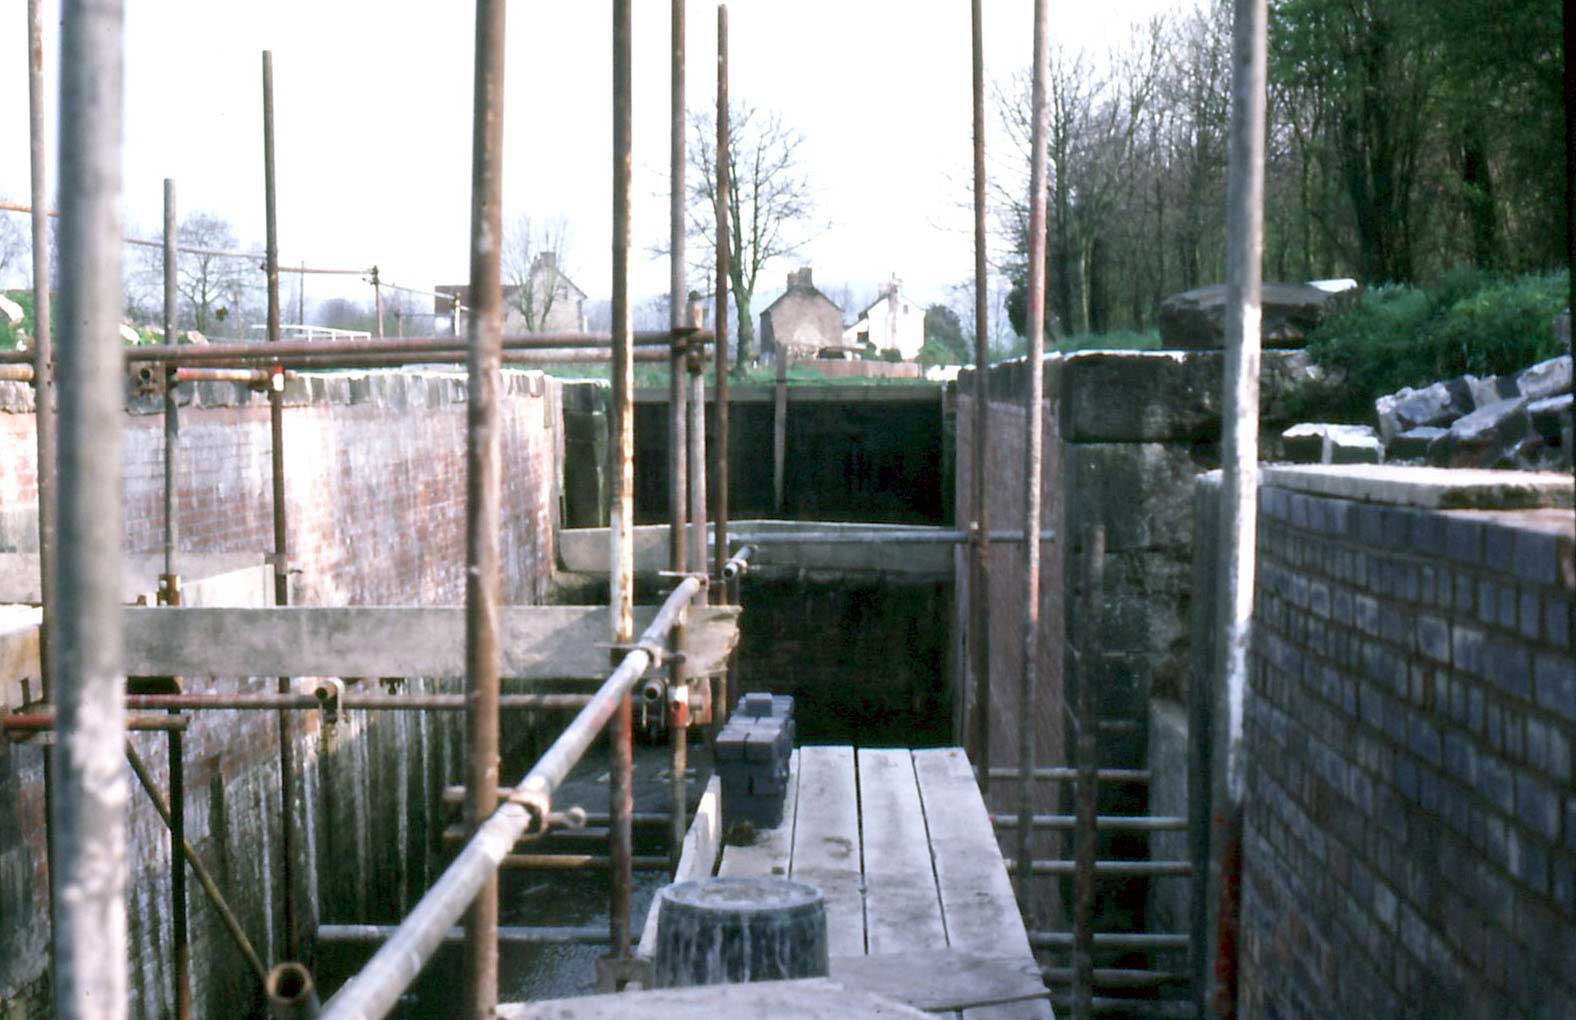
column 373, row 114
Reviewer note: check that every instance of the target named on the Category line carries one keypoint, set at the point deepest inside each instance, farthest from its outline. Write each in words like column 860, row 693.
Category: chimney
column 799, row 278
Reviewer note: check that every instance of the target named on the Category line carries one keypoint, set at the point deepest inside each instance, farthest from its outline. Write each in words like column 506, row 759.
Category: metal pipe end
column 653, row 691
column 291, row 992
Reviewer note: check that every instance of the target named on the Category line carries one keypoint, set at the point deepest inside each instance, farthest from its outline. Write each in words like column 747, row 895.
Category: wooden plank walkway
column 901, row 845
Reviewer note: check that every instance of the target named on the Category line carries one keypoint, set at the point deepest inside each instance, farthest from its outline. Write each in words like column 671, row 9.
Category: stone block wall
column 375, row 467
column 1410, row 831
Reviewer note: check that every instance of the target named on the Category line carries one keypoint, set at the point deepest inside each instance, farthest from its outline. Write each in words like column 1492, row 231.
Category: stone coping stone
column 1425, row 487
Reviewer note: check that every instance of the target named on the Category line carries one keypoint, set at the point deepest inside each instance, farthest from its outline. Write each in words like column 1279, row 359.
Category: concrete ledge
column 1424, row 487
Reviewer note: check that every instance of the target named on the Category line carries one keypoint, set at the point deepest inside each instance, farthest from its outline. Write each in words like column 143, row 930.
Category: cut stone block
column 1414, row 444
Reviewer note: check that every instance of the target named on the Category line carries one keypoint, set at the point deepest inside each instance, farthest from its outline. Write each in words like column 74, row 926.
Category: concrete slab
column 1425, row 487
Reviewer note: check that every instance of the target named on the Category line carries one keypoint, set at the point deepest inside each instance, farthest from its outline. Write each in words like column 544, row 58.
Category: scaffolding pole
column 88, row 813
column 43, row 391
column 677, row 709
column 620, row 788
column 1033, row 456
column 483, row 590
column 281, row 562
column 1239, row 481
column 979, row 527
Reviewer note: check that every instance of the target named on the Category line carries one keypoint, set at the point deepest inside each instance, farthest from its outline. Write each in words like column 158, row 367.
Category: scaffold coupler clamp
column 537, row 800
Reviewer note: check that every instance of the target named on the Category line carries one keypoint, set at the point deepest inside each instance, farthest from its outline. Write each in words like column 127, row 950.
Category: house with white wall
column 891, row 323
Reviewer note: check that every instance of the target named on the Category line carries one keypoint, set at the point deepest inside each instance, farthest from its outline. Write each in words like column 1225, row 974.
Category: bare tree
column 533, row 258
column 212, row 286
column 770, row 203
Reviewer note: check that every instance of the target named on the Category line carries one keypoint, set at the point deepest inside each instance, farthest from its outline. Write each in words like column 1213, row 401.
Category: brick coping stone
column 1425, row 487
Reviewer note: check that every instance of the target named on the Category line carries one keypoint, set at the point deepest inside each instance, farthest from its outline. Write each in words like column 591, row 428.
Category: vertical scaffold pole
column 43, row 384
column 1085, row 836
column 88, row 812
column 169, row 594
column 678, row 445
column 1239, row 462
column 620, row 789
column 276, row 425
column 720, row 409
column 719, row 473
column 483, row 591
column 1033, row 459
column 979, row 580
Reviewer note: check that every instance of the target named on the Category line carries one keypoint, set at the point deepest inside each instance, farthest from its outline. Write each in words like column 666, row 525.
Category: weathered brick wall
column 1410, row 833
column 1006, row 495
column 375, row 468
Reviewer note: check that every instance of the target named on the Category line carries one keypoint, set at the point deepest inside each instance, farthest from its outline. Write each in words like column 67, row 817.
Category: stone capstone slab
column 1156, row 396
column 1196, row 319
column 1488, row 437
column 1425, row 487
column 1319, row 443
column 1414, row 444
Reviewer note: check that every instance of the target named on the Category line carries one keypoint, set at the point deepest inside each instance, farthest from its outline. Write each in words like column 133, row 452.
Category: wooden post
column 780, row 431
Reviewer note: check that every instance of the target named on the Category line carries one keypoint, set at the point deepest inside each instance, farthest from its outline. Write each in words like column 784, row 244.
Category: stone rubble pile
column 1518, row 421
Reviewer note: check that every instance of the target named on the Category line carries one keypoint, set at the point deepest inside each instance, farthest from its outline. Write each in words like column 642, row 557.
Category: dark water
column 534, row 899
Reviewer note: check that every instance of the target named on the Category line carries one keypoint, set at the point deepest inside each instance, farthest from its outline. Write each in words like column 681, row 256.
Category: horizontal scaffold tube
column 193, row 354
column 1136, row 868
column 375, row 990
column 587, row 936
column 1070, row 775
column 36, row 721
column 1125, row 823
column 362, row 702
column 876, row 535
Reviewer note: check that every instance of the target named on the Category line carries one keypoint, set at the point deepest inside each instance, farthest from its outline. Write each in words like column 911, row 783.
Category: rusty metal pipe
column 1068, row 775
column 172, row 421
column 291, row 993
column 720, row 409
column 680, row 449
column 1085, row 836
column 1033, row 461
column 1129, row 868
column 180, row 936
column 1113, row 823
column 281, row 548
column 42, row 368
column 620, row 787
column 241, row 352
column 979, row 580
column 204, row 878
column 37, row 722
column 581, row 862
column 249, row 376
column 483, row 587
column 362, row 702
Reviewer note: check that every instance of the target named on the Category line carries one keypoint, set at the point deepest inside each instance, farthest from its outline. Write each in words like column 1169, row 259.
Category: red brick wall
column 375, row 483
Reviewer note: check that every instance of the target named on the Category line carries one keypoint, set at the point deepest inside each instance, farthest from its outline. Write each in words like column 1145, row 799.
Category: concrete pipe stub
column 727, row 930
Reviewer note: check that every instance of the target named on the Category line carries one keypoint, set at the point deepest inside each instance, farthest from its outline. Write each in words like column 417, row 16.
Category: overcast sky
column 373, row 113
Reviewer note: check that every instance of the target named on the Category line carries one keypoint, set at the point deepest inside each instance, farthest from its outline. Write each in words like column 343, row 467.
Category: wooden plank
column 902, row 907
column 809, row 999
column 770, row 852
column 940, row 979
column 981, row 913
column 826, row 844
column 539, row 642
